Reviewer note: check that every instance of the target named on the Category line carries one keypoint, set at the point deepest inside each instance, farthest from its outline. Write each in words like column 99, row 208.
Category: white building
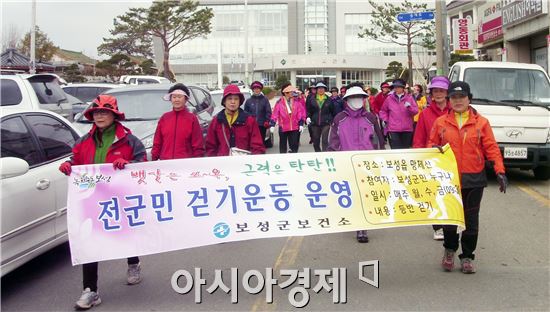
column 306, row 40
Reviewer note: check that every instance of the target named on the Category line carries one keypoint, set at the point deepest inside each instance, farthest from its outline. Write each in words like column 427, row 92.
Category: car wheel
column 542, row 173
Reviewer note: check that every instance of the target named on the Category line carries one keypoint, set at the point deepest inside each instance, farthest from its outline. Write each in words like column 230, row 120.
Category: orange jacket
column 471, row 144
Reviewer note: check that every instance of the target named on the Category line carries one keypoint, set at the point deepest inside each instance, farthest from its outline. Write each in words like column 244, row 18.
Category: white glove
column 407, row 104
column 308, row 121
column 301, row 129
column 272, row 129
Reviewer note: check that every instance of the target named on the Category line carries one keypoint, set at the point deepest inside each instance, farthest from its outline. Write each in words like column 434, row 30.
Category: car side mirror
column 13, row 167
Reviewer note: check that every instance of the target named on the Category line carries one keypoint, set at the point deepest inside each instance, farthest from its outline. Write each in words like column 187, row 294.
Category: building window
column 363, row 76
column 267, row 34
column 316, row 27
column 352, row 28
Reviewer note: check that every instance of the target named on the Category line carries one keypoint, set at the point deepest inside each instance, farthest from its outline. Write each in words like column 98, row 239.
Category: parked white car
column 217, row 96
column 515, row 98
column 34, row 192
column 39, row 91
column 138, row 80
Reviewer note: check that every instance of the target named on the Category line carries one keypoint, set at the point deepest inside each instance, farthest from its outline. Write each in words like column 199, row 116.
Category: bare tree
column 423, row 62
column 385, row 27
column 172, row 21
column 10, row 37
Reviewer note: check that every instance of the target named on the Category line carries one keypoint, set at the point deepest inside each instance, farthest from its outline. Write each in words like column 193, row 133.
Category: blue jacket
column 258, row 106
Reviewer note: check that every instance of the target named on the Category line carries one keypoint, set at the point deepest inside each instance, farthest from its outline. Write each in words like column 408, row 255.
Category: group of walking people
column 346, row 122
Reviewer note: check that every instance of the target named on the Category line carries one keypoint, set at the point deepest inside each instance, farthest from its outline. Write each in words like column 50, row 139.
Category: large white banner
column 168, row 205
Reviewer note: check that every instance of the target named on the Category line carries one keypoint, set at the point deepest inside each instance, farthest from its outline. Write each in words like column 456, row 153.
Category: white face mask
column 355, row 103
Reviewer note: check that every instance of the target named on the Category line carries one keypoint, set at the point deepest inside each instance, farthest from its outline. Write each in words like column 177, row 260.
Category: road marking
column 286, row 258
column 533, row 193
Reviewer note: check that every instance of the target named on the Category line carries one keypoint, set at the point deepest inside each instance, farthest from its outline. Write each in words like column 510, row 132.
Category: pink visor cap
column 167, row 97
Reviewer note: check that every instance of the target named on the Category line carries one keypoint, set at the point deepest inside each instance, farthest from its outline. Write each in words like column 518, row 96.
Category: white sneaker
column 87, row 300
column 134, row 274
column 438, row 234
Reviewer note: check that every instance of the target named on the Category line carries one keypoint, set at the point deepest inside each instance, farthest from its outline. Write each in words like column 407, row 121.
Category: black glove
column 439, row 147
column 503, row 182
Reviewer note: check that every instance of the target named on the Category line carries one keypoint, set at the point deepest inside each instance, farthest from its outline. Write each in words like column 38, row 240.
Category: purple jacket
column 399, row 118
column 355, row 131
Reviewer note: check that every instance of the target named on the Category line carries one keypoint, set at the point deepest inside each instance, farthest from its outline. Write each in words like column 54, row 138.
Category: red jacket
column 125, row 145
column 376, row 104
column 244, row 134
column 178, row 135
column 425, row 122
column 470, row 144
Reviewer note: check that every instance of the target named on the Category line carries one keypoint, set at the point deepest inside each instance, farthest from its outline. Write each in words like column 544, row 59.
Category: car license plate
column 515, row 152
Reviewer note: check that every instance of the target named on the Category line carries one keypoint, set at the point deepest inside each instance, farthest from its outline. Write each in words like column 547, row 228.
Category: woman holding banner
column 356, row 129
column 471, row 140
column 439, row 106
column 107, row 142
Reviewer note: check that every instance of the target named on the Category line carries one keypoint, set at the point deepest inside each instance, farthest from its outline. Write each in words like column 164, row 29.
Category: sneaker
column 448, row 261
column 87, row 300
column 467, row 265
column 134, row 274
column 362, row 237
column 438, row 234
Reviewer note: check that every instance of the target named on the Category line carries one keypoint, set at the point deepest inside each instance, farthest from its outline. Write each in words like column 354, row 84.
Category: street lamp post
column 441, row 37
column 32, row 65
column 246, row 42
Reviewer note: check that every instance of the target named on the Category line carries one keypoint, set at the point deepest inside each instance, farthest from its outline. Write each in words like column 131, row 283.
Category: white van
column 137, row 80
column 515, row 97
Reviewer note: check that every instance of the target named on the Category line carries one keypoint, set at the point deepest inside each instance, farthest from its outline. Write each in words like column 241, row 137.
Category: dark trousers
column 293, row 139
column 318, row 134
column 471, row 199
column 89, row 273
column 263, row 131
column 400, row 140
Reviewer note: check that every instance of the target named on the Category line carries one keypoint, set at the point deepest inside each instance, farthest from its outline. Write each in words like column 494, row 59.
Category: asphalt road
column 512, row 262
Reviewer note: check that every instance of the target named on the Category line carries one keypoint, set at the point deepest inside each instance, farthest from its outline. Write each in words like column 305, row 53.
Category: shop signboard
column 519, row 11
column 462, row 32
column 490, row 25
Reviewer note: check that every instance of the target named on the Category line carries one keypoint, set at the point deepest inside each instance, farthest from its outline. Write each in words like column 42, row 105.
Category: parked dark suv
column 143, row 106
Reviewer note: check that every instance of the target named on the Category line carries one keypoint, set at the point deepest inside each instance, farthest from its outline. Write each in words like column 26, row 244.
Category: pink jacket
column 399, row 117
column 286, row 121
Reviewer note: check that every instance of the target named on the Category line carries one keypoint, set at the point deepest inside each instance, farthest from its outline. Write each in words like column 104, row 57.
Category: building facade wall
column 524, row 31
column 345, row 58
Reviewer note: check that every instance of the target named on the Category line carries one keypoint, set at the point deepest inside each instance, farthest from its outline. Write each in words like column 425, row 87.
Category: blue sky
column 73, row 25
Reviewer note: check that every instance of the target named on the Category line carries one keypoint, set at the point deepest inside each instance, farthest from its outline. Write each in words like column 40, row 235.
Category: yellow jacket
column 422, row 103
